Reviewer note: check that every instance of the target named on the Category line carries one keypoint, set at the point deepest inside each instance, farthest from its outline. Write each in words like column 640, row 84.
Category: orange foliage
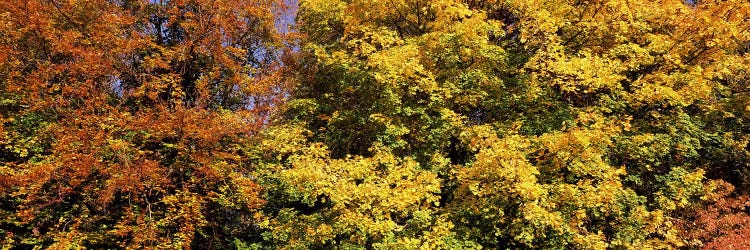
column 147, row 105
column 724, row 224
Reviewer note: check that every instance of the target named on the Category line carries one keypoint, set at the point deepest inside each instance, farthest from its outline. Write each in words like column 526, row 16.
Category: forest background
column 374, row 124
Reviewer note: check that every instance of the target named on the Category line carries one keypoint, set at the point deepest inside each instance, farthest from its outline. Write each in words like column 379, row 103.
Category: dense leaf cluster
column 389, row 124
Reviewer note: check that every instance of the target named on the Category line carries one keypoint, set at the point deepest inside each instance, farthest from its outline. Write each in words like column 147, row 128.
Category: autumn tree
column 406, row 124
column 122, row 120
column 588, row 124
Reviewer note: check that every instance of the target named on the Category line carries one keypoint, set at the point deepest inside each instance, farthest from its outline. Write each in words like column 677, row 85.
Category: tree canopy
column 390, row 124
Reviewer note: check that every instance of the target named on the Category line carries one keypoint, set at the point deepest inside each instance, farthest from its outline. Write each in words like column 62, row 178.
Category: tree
column 557, row 123
column 408, row 124
column 123, row 120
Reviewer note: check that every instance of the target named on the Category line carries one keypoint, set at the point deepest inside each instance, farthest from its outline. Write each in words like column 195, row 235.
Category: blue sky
column 286, row 17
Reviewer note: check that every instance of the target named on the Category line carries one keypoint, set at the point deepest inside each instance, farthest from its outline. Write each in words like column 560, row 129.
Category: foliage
column 123, row 121
column 380, row 202
column 722, row 225
column 398, row 124
column 583, row 124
